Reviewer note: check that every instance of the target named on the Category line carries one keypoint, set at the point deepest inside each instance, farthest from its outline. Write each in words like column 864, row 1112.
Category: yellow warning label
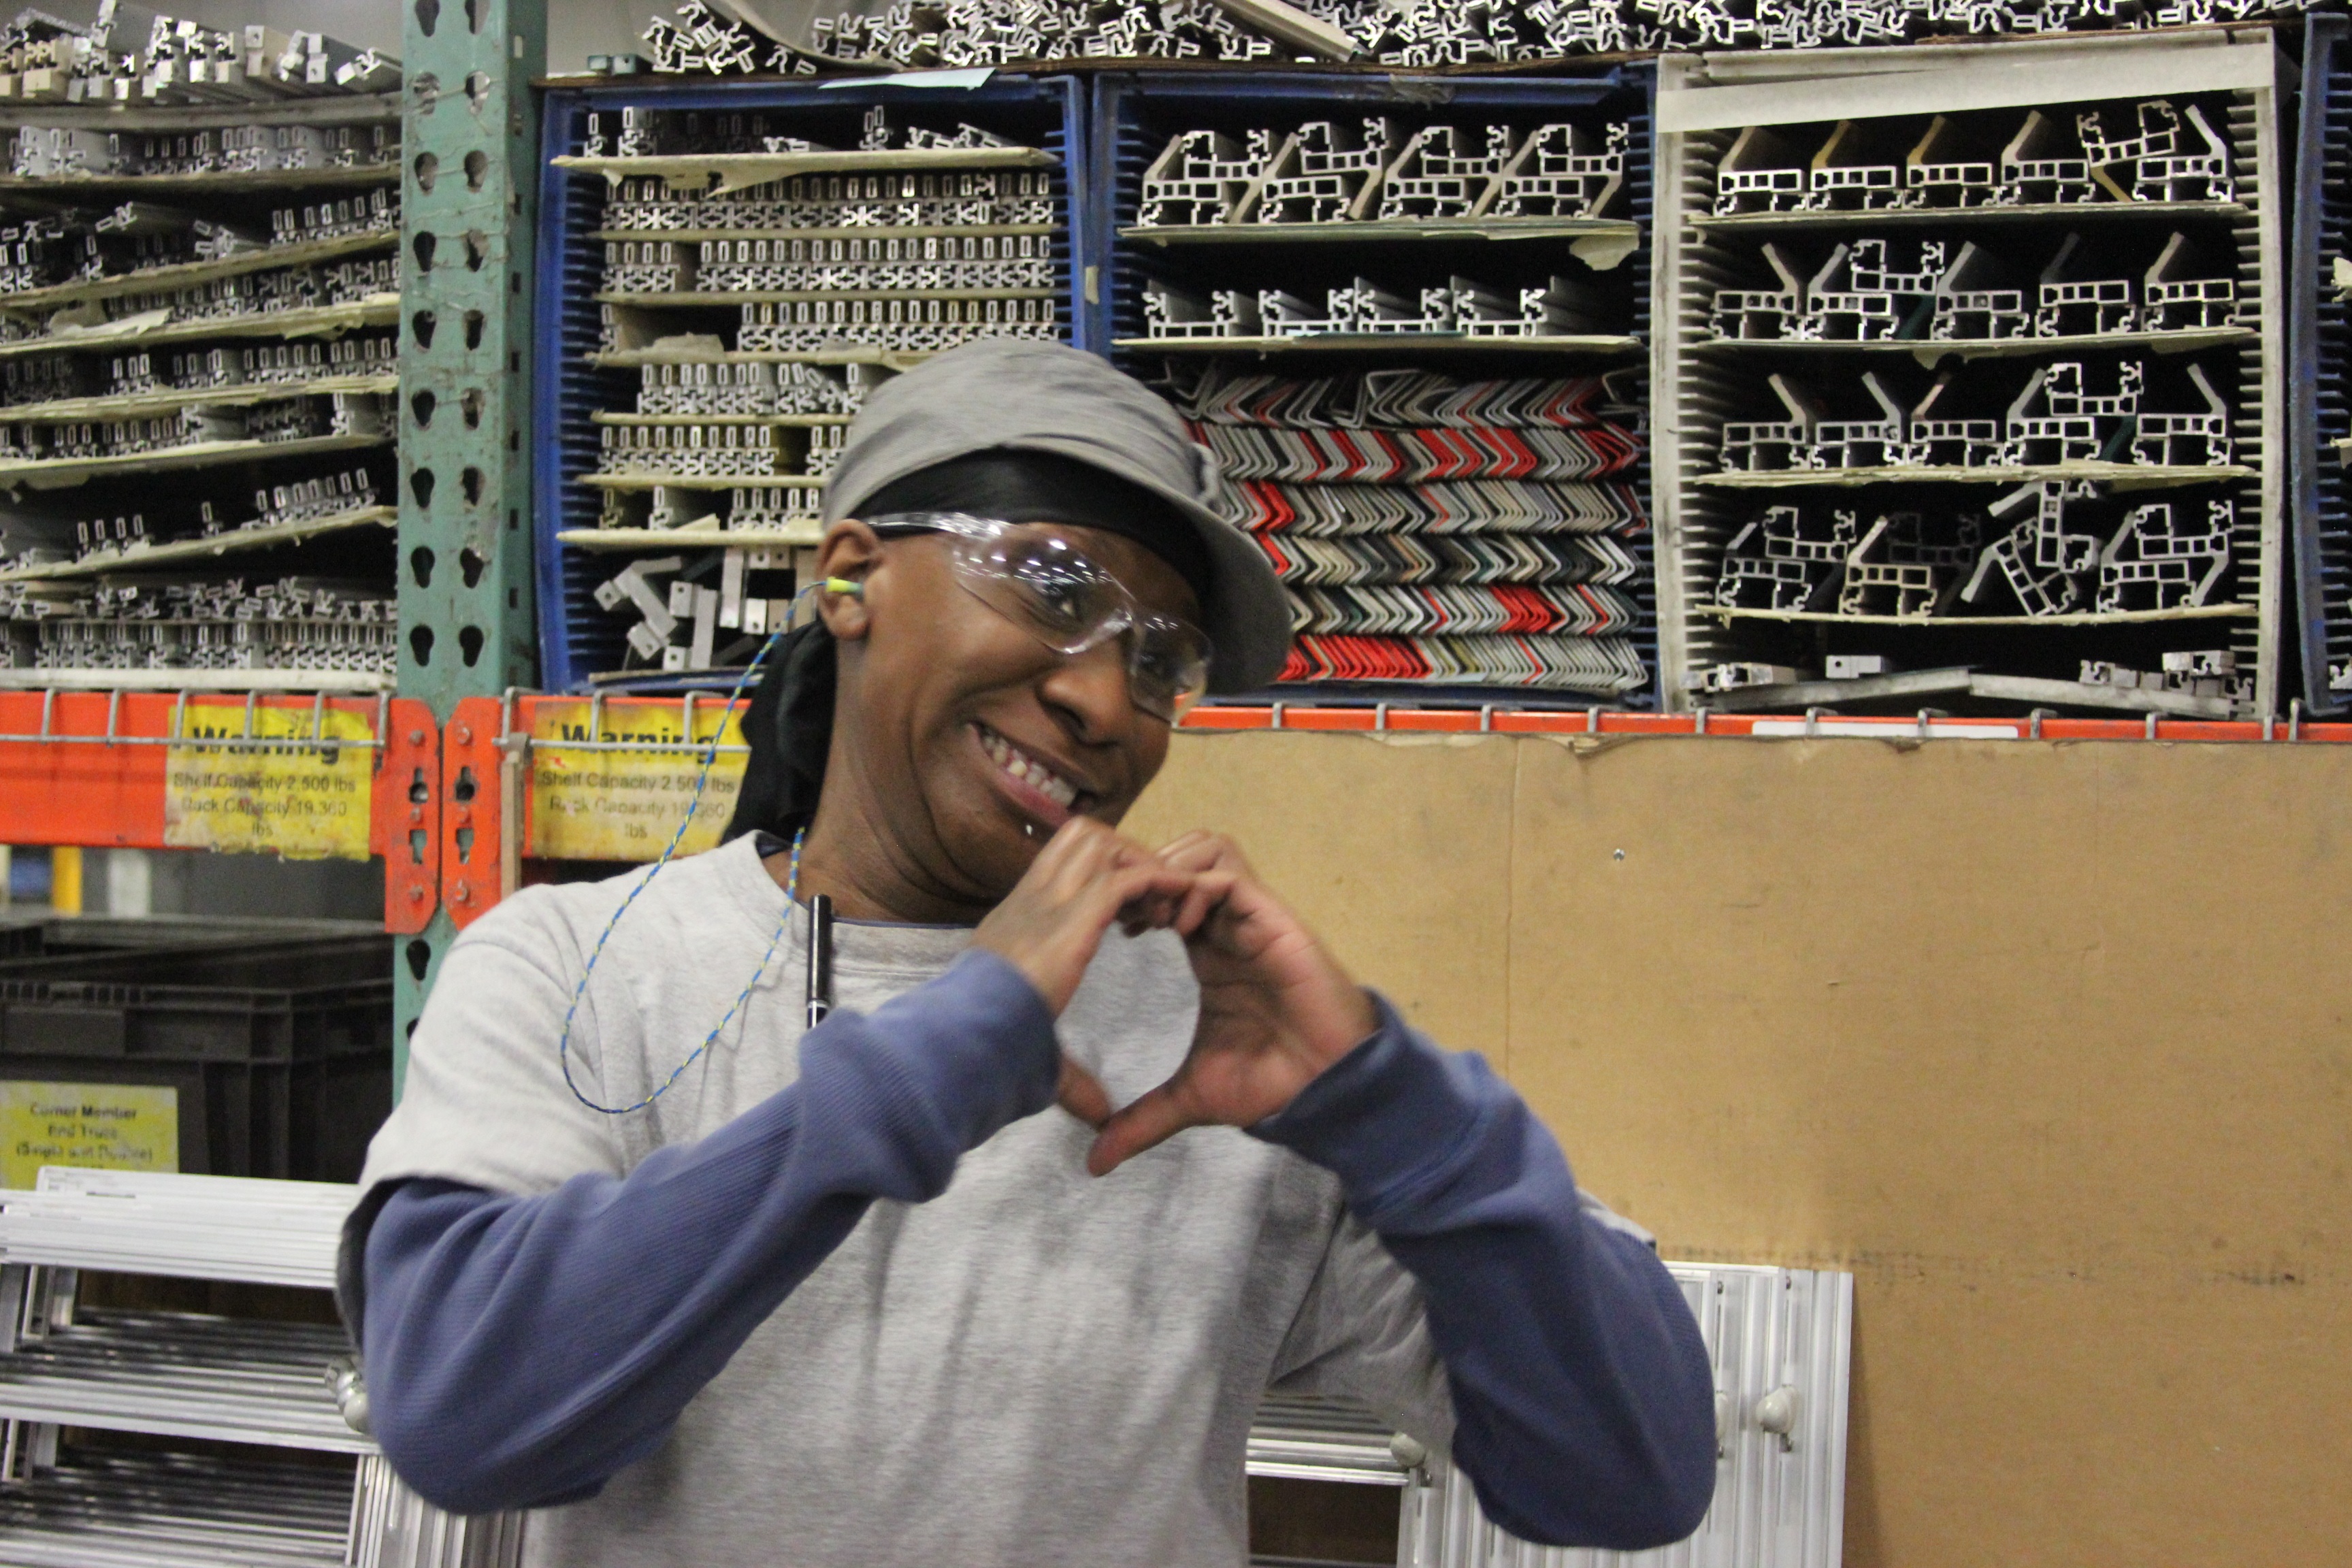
column 110, row 1126
column 306, row 804
column 625, row 804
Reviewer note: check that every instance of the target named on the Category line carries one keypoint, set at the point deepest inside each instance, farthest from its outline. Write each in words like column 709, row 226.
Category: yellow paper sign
column 305, row 803
column 111, row 1126
column 624, row 805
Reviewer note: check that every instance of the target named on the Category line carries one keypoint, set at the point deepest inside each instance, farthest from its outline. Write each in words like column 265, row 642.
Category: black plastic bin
column 280, row 1052
column 37, row 935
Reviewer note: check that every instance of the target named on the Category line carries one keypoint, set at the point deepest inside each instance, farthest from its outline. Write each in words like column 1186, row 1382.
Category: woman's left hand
column 1275, row 1009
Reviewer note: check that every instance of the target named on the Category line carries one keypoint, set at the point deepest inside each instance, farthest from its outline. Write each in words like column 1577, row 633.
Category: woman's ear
column 851, row 552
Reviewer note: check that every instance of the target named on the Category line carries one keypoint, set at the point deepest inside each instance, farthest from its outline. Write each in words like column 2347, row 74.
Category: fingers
column 1201, row 869
column 1146, row 1124
column 1052, row 922
column 1209, row 891
column 1081, row 850
column 1078, row 851
column 1081, row 1094
column 1201, row 850
column 1144, row 895
column 1218, row 867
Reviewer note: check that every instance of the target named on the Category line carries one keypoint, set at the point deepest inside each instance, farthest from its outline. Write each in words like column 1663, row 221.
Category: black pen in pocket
column 820, row 959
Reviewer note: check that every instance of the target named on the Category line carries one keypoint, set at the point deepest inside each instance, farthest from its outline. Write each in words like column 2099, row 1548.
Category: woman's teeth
column 1028, row 769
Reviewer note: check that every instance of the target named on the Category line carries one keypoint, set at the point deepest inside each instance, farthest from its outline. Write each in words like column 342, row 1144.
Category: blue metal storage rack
column 2320, row 355
column 1136, row 113
column 577, row 640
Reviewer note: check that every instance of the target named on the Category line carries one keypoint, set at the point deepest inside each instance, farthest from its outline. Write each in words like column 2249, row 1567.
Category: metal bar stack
column 1432, row 532
column 740, row 269
column 129, row 56
column 250, row 1390
column 200, row 266
column 1446, row 459
column 998, row 33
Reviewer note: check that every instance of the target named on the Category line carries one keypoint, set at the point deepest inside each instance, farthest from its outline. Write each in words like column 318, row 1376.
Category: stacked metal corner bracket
column 1446, row 461
column 1780, row 1342
column 260, row 1385
column 468, row 222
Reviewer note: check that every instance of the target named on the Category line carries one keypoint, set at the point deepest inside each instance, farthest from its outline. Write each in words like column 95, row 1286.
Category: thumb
column 1146, row 1124
column 1081, row 1094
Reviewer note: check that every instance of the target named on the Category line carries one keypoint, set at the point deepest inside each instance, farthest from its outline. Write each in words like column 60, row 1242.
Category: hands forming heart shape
column 1275, row 1010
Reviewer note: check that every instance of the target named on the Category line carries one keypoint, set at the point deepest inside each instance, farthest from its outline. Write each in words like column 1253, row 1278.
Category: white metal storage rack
column 1972, row 358
column 1781, row 1341
column 273, row 1389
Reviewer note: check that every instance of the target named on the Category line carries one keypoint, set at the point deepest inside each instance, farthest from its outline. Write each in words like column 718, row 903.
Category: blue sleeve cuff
column 1394, row 1119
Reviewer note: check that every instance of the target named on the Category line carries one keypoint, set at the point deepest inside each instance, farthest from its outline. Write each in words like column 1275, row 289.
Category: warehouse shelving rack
column 585, row 387
column 44, row 327
column 1717, row 113
column 87, row 754
column 306, row 1487
column 1136, row 114
column 2320, row 330
column 89, row 767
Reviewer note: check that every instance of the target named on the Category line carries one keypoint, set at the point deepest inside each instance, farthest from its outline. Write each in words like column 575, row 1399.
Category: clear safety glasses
column 1050, row 589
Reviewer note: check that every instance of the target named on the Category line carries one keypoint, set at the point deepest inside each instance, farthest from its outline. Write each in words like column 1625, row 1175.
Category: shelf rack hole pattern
column 577, row 639
column 1137, row 114
column 1712, row 382
column 2324, row 322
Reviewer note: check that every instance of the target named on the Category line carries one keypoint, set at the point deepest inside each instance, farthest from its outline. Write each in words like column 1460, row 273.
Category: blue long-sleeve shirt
column 521, row 1351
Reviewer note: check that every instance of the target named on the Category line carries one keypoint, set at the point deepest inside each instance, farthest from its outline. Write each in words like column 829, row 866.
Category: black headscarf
column 790, row 722
column 789, row 727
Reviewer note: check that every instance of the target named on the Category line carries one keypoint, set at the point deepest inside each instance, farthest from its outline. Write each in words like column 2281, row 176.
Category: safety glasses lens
column 1168, row 667
column 1043, row 583
column 1047, row 585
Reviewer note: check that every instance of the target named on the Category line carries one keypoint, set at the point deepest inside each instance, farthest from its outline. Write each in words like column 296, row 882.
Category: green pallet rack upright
column 470, row 135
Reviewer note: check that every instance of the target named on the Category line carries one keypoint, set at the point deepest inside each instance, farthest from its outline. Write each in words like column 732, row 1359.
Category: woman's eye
column 1059, row 592
column 1161, row 667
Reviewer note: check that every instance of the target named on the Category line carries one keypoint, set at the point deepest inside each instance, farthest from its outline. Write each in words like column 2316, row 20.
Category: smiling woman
column 995, row 677
column 877, row 1234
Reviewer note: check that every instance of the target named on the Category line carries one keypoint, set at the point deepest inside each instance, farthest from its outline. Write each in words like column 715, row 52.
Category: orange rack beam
column 494, row 821
column 1500, row 719
column 91, row 768
column 607, row 777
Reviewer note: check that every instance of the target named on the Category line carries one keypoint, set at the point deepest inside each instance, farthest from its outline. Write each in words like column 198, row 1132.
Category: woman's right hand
column 1050, row 925
column 1088, row 875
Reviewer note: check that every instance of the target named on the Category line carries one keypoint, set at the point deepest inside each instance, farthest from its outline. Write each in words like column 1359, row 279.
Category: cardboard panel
column 2036, row 1039
column 1353, row 850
